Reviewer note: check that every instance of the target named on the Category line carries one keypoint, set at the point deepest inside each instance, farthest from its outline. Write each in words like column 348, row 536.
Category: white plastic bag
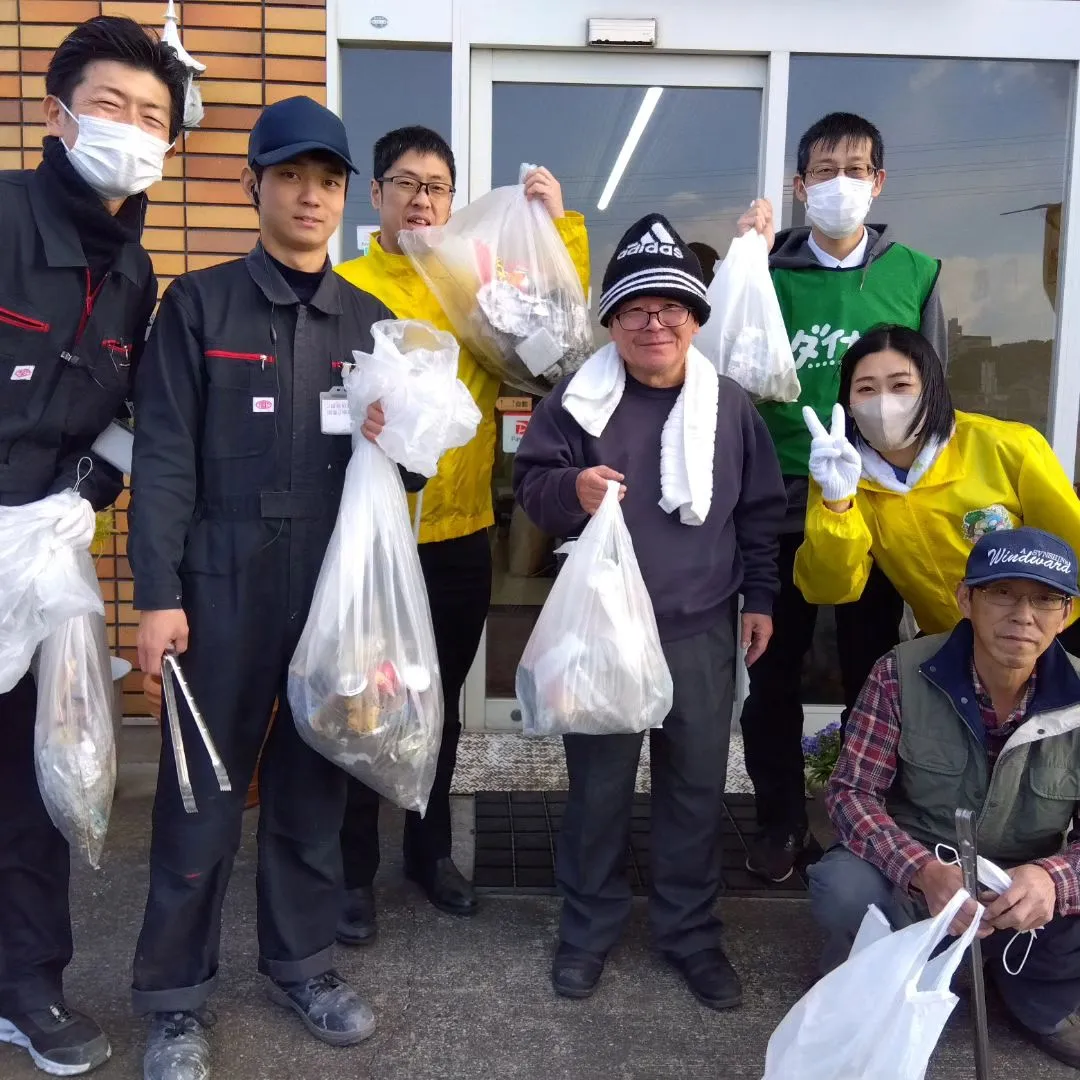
column 413, row 371
column 745, row 336
column 364, row 682
column 593, row 664
column 880, row 1014
column 506, row 282
column 74, row 741
column 41, row 583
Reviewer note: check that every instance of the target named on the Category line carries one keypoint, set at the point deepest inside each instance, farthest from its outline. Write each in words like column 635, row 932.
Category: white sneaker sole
column 9, row 1033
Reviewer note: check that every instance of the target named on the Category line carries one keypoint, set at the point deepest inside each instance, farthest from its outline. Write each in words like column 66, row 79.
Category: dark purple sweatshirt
column 691, row 571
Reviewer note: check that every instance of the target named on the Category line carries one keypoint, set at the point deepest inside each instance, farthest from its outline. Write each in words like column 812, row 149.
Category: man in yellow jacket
column 413, row 187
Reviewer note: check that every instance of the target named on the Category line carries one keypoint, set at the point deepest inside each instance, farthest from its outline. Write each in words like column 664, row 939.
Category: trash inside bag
column 364, row 681
column 412, row 370
column 42, row 585
column 593, row 664
column 745, row 336
column 879, row 1015
column 506, row 282
column 74, row 739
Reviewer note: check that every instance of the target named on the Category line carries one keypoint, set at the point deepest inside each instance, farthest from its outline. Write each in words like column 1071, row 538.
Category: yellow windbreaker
column 992, row 474
column 457, row 500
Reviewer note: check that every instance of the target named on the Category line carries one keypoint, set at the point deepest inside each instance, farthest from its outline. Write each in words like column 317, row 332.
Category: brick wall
column 256, row 52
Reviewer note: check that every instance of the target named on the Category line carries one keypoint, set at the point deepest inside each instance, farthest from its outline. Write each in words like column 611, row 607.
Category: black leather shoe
column 357, row 923
column 444, row 885
column 711, row 978
column 59, row 1040
column 575, row 972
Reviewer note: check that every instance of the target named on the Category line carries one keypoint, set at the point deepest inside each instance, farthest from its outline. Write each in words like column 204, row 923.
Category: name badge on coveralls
column 334, row 412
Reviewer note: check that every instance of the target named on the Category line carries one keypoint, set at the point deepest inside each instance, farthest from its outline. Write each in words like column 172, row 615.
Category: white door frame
column 490, row 66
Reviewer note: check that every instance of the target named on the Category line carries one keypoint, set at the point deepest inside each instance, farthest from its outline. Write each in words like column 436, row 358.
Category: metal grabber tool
column 170, row 674
column 967, row 848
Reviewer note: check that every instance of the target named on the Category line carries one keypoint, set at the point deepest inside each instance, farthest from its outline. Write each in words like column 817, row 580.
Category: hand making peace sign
column 834, row 463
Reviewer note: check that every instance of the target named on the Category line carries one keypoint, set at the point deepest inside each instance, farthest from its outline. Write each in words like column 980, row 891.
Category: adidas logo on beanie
column 653, row 260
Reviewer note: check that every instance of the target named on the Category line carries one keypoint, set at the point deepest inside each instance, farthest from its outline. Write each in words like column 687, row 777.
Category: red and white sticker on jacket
column 262, row 404
column 22, row 372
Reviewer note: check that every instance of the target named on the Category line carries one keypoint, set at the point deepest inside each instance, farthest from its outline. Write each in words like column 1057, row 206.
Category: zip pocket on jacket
column 249, row 357
column 23, row 322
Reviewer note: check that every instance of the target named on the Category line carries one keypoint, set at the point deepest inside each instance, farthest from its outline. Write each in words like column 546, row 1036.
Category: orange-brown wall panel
column 256, row 52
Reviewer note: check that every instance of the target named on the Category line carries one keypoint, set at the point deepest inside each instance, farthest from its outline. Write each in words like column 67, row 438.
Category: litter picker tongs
column 170, row 672
column 967, row 848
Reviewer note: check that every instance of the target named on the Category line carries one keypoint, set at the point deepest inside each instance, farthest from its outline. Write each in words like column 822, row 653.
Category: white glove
column 834, row 463
column 77, row 526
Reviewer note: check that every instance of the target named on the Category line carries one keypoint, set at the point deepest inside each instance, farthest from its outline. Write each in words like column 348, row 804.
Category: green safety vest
column 826, row 311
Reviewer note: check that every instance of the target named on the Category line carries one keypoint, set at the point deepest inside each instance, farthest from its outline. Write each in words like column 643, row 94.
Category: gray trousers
column 689, row 765
column 1047, row 988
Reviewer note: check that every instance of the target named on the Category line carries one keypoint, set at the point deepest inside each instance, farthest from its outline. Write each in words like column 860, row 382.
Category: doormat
column 516, row 832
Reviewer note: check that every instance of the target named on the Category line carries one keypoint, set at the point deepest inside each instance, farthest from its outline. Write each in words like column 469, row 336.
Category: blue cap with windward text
column 1027, row 554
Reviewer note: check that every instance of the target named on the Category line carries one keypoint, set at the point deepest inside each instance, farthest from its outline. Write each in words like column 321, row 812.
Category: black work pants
column 457, row 574
column 35, row 922
column 688, row 760
column 772, row 717
column 244, row 627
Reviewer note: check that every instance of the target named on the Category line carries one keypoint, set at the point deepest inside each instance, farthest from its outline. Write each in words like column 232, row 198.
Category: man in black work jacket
column 76, row 293
column 235, row 492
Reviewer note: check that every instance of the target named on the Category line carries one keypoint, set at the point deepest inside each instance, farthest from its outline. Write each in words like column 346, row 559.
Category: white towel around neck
column 688, row 442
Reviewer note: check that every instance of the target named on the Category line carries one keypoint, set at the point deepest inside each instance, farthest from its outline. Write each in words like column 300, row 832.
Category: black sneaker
column 774, row 853
column 329, row 1007
column 60, row 1041
column 177, row 1047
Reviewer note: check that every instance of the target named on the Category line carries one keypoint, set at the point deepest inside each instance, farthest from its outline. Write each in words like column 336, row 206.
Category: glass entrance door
column 626, row 135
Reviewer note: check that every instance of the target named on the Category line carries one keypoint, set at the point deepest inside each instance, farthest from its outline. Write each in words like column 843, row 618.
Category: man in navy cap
column 986, row 718
column 237, row 476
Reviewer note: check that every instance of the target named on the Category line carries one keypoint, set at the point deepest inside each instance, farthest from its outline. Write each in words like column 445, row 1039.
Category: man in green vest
column 835, row 279
column 986, row 718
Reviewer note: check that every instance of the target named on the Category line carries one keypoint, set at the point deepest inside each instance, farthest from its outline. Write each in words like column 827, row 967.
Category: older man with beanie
column 704, row 531
column 986, row 718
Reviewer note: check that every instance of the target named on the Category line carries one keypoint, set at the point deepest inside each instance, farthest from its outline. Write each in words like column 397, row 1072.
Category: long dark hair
column 935, row 416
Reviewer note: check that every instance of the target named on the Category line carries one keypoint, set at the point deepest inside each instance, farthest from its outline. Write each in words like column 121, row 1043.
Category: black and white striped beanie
column 652, row 260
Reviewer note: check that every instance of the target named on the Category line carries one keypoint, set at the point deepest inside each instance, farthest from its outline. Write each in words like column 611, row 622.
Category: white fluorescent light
column 633, row 137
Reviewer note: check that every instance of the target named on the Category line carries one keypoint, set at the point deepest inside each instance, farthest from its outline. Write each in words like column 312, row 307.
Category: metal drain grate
column 516, row 833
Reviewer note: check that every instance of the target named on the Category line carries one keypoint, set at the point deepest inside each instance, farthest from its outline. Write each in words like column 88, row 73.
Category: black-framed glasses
column 820, row 173
column 409, row 185
column 1002, row 596
column 636, row 318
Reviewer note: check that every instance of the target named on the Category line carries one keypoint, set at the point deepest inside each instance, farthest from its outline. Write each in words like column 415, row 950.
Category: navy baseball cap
column 296, row 126
column 1027, row 554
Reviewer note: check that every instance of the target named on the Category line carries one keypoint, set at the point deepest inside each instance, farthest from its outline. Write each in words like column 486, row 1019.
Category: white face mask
column 116, row 160
column 839, row 206
column 884, row 420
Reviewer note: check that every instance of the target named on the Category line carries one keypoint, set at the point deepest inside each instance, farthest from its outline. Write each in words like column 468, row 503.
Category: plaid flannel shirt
column 866, row 770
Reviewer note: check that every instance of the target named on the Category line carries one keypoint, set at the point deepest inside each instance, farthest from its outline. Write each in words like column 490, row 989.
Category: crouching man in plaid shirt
column 986, row 718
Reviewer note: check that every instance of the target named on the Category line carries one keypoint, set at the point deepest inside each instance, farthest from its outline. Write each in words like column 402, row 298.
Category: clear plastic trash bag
column 879, row 1015
column 412, row 370
column 364, row 683
column 41, row 584
column 74, row 739
column 593, row 664
column 506, row 282
column 745, row 336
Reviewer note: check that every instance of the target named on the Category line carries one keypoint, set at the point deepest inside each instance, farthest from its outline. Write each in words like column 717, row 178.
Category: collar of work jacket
column 274, row 287
column 59, row 234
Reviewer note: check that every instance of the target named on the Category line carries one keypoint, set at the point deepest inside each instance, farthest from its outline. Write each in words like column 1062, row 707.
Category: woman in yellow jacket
column 919, row 483
column 413, row 186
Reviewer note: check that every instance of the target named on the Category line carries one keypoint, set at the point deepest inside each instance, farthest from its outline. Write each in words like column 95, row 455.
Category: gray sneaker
column 329, row 1007
column 178, row 1047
